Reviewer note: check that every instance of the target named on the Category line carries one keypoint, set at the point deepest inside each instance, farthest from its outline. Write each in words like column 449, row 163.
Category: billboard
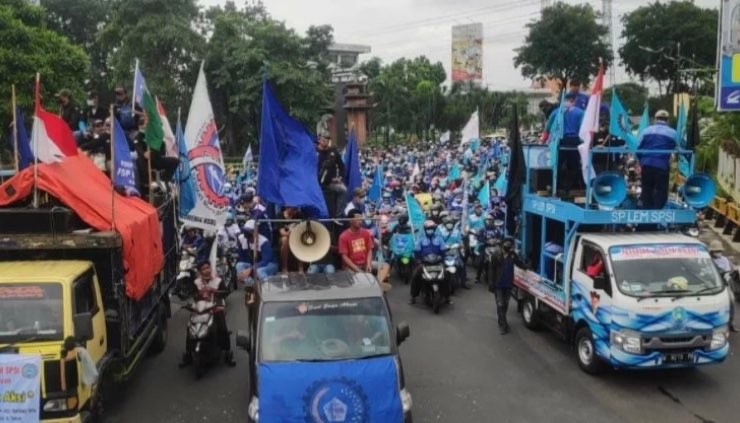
column 467, row 53
column 728, row 52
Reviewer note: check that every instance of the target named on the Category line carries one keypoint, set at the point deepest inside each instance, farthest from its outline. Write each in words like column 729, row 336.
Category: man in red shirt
column 356, row 248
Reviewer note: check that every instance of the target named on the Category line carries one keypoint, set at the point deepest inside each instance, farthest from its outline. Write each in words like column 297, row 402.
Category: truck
column 82, row 263
column 623, row 285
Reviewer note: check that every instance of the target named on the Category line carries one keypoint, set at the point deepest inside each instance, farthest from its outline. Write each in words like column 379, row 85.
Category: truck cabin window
column 594, row 265
column 671, row 270
column 85, row 298
column 31, row 312
column 325, row 330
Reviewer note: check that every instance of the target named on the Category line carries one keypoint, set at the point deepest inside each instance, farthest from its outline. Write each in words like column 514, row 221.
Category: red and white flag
column 169, row 136
column 590, row 126
column 51, row 140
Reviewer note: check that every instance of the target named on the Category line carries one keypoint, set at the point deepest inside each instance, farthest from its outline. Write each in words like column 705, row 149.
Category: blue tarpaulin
column 324, row 392
column 352, row 165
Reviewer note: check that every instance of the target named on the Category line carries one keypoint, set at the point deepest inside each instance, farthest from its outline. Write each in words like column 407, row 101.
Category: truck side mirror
column 601, row 283
column 402, row 332
column 83, row 326
column 243, row 341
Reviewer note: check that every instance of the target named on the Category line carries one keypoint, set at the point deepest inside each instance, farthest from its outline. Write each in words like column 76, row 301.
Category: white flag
column 589, row 126
column 471, row 131
column 206, row 162
column 444, row 137
column 169, row 136
column 247, row 160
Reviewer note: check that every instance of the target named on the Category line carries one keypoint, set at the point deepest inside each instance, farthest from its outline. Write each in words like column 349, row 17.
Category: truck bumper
column 657, row 360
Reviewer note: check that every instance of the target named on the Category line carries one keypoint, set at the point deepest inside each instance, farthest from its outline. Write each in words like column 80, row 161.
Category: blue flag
column 139, row 85
column 501, row 183
column 557, row 131
column 183, row 175
column 455, row 173
column 681, row 124
column 644, row 121
column 288, row 164
column 352, row 165
column 484, row 195
column 25, row 155
column 416, row 213
column 619, row 123
column 335, row 391
column 376, row 189
column 123, row 164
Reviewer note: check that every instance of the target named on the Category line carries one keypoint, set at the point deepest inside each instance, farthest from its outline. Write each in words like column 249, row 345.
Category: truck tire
column 586, row 355
column 160, row 338
column 529, row 313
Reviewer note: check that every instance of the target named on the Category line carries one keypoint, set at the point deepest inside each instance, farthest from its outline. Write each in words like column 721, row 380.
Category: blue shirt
column 426, row 246
column 582, row 101
column 572, row 122
column 659, row 136
column 476, row 223
column 449, row 237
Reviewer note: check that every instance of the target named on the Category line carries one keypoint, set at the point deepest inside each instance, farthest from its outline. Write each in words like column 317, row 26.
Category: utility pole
column 609, row 23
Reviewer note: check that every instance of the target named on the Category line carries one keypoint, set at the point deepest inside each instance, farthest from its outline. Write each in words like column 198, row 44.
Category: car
column 320, row 346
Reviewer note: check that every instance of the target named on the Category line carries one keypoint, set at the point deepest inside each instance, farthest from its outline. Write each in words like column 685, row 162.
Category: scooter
column 185, row 284
column 473, row 249
column 401, row 246
column 226, row 265
column 202, row 334
column 453, row 266
column 433, row 275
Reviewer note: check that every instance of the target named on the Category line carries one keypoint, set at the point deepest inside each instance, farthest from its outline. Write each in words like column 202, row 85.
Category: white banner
column 20, row 383
column 206, row 162
column 471, row 131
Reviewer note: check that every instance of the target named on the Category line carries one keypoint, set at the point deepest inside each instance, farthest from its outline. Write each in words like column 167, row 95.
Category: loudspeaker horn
column 699, row 190
column 309, row 241
column 610, row 189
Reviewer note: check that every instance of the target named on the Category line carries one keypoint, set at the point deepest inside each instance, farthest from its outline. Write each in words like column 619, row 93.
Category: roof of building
column 337, row 286
column 350, row 48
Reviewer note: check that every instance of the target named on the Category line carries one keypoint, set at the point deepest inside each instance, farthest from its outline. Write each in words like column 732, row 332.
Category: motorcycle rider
column 724, row 266
column 193, row 241
column 203, row 283
column 451, row 236
column 427, row 244
column 491, row 232
column 501, row 281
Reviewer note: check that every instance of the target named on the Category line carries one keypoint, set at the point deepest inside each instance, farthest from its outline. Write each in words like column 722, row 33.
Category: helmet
column 448, row 219
column 429, row 224
column 716, row 246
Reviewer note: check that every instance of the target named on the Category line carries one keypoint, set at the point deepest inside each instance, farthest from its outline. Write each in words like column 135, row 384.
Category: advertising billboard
column 467, row 53
column 728, row 52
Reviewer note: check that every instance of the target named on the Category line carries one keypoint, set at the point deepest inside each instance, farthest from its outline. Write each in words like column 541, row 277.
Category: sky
column 410, row 28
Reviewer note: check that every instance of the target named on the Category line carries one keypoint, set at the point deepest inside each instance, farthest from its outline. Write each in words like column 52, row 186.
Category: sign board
column 467, row 53
column 537, row 157
column 20, row 383
column 728, row 57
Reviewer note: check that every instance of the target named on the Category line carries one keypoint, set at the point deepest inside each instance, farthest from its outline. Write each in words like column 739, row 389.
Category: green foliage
column 654, row 32
column 566, row 43
column 27, row 47
column 632, row 95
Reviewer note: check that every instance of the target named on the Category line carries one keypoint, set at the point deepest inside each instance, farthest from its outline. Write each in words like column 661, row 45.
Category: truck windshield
column 325, row 330
column 30, row 311
column 671, row 270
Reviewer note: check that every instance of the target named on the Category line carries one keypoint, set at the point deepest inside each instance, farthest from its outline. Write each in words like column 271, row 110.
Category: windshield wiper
column 653, row 294
column 706, row 289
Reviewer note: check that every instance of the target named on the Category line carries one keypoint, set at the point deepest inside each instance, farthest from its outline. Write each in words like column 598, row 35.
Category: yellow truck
column 64, row 282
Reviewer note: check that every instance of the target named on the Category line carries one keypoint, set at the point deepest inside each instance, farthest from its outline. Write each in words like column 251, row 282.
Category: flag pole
column 15, row 129
column 133, row 93
column 112, row 168
column 177, row 142
column 36, row 145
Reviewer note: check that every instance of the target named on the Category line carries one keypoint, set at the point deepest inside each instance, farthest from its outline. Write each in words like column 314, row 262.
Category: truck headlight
column 719, row 338
column 406, row 401
column 254, row 409
column 628, row 341
column 53, row 405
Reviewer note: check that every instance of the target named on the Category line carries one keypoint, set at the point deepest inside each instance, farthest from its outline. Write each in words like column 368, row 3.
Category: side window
column 588, row 255
column 85, row 298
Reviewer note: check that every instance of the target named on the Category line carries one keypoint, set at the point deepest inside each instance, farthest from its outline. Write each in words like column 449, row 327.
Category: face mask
column 429, row 232
column 368, row 222
column 450, row 226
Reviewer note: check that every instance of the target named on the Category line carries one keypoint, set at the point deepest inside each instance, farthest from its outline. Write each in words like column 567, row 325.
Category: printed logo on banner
column 336, row 401
column 209, row 174
column 20, row 382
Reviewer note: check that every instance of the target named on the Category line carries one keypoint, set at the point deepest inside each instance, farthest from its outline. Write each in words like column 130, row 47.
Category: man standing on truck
column 656, row 166
column 501, row 281
column 207, row 282
column 569, row 161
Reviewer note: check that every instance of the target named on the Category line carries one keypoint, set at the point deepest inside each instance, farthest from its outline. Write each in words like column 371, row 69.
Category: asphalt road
column 458, row 369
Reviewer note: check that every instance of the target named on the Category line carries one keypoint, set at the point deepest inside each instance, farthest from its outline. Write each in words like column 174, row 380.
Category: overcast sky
column 409, row 28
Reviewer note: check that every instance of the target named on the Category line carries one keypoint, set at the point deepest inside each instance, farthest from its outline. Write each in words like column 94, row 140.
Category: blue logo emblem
column 336, row 401
column 30, row 371
column 679, row 315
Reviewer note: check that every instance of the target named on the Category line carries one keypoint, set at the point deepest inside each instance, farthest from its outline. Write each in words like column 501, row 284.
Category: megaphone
column 309, row 241
column 699, row 190
column 610, row 189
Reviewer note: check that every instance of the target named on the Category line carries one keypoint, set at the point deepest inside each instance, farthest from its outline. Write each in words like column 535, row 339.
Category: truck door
column 592, row 289
column 87, row 299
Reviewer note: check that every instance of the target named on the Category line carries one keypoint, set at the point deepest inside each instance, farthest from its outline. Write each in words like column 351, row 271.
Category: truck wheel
column 160, row 338
column 529, row 314
column 588, row 361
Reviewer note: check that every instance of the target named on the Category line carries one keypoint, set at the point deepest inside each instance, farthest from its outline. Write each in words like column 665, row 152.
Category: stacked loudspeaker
column 610, row 190
column 309, row 241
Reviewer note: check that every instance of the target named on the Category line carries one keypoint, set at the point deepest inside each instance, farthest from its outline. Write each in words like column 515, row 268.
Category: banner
column 728, row 60
column 206, row 162
column 20, row 384
column 467, row 53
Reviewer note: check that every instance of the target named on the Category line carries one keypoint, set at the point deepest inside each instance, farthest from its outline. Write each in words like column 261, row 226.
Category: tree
column 161, row 34
column 632, row 95
column 660, row 37
column 27, row 47
column 566, row 43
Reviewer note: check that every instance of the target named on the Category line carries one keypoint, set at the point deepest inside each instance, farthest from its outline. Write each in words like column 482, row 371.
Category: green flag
column 153, row 134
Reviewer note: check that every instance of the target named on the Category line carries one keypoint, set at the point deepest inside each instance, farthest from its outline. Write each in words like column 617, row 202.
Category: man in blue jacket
column 656, row 166
column 569, row 162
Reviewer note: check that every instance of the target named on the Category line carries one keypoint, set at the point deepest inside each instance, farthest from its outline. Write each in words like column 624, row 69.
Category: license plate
column 679, row 358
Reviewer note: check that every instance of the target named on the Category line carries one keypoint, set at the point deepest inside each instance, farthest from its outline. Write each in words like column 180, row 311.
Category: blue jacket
column 449, row 237
column 582, row 101
column 659, row 136
column 572, row 122
column 426, row 246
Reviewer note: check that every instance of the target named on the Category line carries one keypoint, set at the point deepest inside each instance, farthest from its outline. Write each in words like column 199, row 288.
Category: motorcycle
column 402, row 248
column 473, row 248
column 185, row 284
column 226, row 265
column 453, row 266
column 433, row 275
column 732, row 279
column 202, row 333
column 491, row 252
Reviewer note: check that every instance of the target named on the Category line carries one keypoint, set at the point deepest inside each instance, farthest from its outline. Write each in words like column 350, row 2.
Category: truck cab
column 623, row 285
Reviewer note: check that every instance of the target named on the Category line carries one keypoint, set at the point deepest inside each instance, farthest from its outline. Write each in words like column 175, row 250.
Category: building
column 352, row 100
